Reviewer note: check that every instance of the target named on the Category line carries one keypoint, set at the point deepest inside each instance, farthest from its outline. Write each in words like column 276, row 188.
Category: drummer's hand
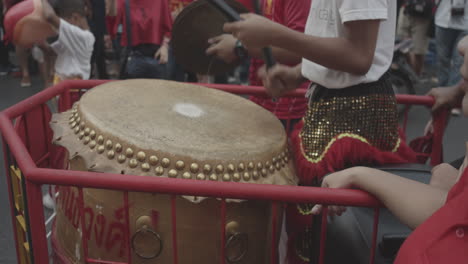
column 253, row 31
column 162, row 54
column 223, row 47
column 280, row 79
column 339, row 180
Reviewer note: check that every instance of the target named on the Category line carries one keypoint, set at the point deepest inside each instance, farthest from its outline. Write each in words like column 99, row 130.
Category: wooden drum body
column 167, row 129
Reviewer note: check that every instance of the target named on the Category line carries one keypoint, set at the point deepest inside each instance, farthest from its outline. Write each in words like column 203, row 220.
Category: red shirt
column 443, row 238
column 248, row 4
column 293, row 14
column 150, row 21
column 178, row 4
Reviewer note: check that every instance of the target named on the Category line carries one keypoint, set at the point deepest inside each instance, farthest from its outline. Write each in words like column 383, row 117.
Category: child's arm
column 49, row 14
column 355, row 50
column 412, row 202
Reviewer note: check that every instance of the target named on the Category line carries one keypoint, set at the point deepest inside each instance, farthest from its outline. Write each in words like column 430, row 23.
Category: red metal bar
column 10, row 193
column 36, row 222
column 408, row 99
column 103, row 261
column 174, row 230
column 223, row 231
column 274, row 224
column 84, row 234
column 246, row 191
column 45, row 95
column 439, row 122
column 128, row 230
column 19, row 151
column 250, row 90
column 323, row 234
column 42, row 159
column 374, row 235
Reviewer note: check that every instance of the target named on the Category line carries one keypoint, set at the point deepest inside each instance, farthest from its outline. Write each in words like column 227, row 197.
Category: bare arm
column 49, row 14
column 410, row 201
column 355, row 50
column 111, row 7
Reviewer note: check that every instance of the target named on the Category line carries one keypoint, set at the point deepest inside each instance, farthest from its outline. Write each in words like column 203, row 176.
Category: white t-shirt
column 444, row 15
column 326, row 19
column 74, row 48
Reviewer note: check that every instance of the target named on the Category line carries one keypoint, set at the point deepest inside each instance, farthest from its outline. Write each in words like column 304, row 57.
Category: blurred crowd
column 149, row 55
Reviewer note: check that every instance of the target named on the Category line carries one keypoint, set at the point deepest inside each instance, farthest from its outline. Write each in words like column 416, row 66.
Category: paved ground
column 11, row 93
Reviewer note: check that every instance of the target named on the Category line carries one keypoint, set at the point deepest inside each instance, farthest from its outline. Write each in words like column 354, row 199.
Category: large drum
column 158, row 129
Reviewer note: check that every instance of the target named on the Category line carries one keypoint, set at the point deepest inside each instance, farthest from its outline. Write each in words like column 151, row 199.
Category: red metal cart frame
column 32, row 175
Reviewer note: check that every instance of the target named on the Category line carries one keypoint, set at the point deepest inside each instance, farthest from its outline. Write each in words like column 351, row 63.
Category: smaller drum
column 192, row 28
column 25, row 24
column 158, row 129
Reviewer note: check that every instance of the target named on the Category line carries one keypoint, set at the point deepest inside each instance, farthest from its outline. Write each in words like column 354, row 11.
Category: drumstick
column 233, row 16
column 267, row 54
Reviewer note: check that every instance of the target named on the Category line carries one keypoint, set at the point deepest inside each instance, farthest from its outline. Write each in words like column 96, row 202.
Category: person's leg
column 100, row 59
column 457, row 58
column 419, row 29
column 24, row 65
column 444, row 42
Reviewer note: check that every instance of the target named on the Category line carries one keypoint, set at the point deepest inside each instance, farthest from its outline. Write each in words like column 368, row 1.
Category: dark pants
column 142, row 64
column 99, row 57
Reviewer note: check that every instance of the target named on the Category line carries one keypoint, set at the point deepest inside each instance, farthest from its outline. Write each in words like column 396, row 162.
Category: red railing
column 17, row 153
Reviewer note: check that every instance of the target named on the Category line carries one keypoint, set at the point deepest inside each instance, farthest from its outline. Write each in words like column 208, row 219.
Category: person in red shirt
column 151, row 26
column 438, row 211
column 292, row 14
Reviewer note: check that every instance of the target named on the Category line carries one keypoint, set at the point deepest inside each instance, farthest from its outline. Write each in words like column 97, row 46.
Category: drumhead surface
column 183, row 119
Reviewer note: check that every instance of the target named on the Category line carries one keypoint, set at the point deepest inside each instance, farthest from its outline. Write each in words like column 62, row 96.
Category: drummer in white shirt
column 347, row 49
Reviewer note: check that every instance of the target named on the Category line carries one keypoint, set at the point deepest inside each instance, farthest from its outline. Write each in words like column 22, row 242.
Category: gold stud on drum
column 141, row 156
column 87, row 131
column 272, row 168
column 251, row 166
column 264, row 172
column 187, row 175
column 145, row 167
column 81, row 135
column 110, row 154
column 180, row 165
column 129, row 152
column 92, row 144
column 194, row 168
column 109, row 144
column 213, row 177
column 86, row 140
column 219, row 169
column 246, row 176
column 77, row 130
column 100, row 140
column 231, row 168
column 207, row 168
column 172, row 173
column 236, row 177
column 226, row 177
column 121, row 158
column 133, row 163
column 159, row 171
column 118, row 147
column 165, row 162
column 255, row 175
column 201, row 177
column 153, row 160
column 260, row 166
column 241, row 167
column 92, row 134
column 101, row 149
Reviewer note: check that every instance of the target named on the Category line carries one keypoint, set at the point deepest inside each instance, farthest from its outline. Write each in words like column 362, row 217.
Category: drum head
column 197, row 23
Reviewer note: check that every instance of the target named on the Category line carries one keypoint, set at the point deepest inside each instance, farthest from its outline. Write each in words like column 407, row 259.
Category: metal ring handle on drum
column 233, row 238
column 157, row 237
